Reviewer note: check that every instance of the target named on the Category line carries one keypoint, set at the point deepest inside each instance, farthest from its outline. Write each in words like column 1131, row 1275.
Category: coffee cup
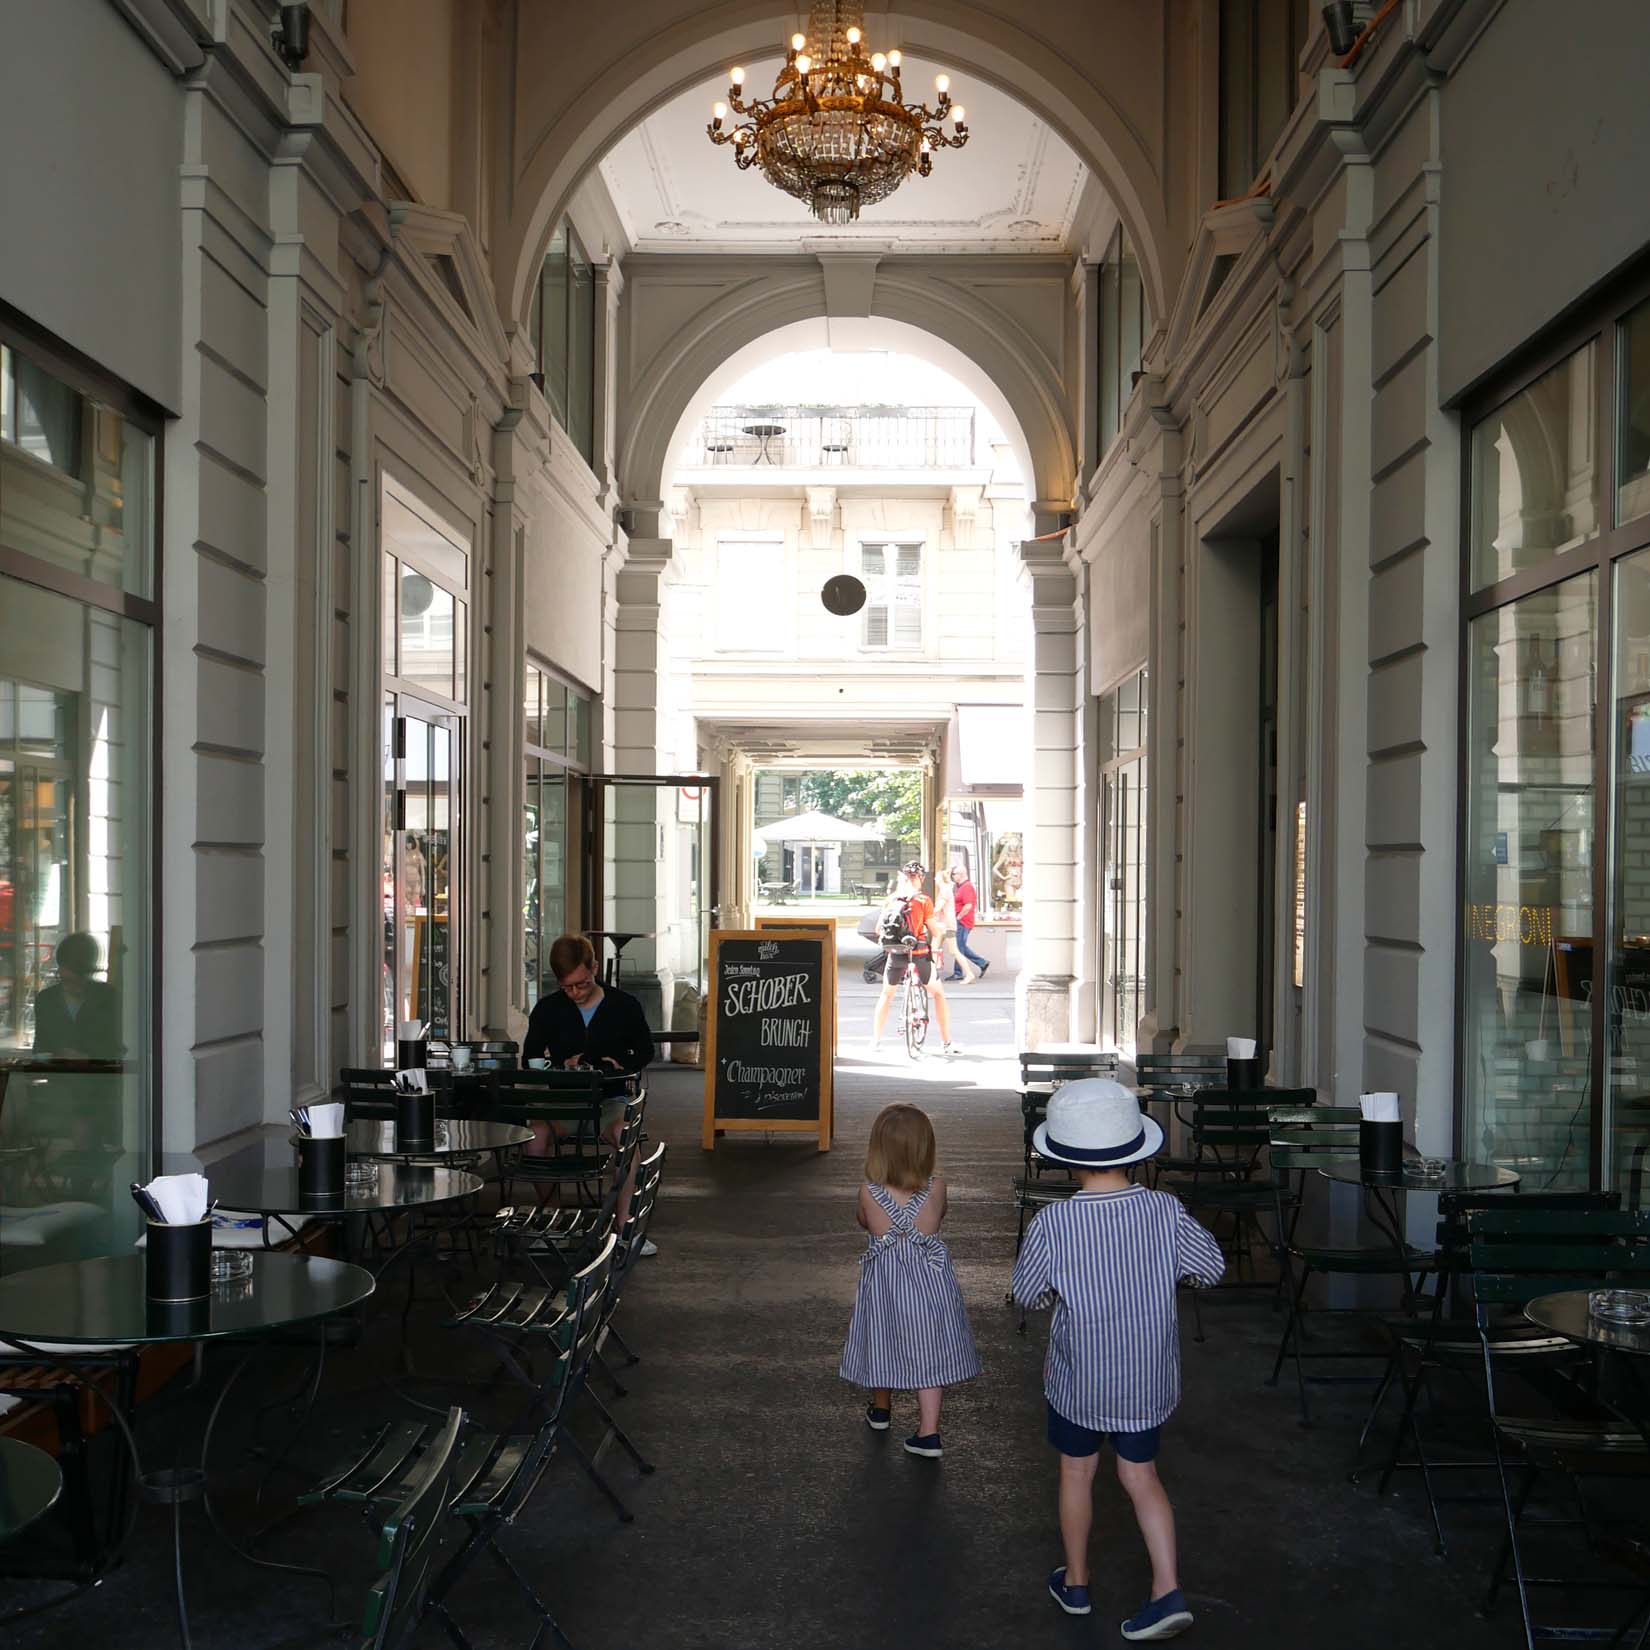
column 461, row 1057
column 540, row 1064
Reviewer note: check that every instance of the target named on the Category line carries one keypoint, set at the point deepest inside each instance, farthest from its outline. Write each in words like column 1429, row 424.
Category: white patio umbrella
column 814, row 827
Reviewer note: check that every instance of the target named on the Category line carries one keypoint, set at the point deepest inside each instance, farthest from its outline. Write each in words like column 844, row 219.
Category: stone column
column 638, row 823
column 1049, row 976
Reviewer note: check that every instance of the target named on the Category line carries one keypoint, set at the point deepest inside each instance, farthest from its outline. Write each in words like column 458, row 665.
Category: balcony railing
column 834, row 438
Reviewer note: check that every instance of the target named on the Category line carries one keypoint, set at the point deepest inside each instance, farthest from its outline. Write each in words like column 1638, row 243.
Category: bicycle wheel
column 916, row 1014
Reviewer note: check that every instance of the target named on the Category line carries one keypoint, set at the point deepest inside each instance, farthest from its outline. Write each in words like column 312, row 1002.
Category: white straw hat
column 1096, row 1124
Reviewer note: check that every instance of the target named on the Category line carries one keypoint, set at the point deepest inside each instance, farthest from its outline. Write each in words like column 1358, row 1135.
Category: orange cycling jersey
column 919, row 912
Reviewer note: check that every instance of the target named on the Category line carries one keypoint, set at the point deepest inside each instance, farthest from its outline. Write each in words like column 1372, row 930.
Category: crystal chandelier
column 837, row 132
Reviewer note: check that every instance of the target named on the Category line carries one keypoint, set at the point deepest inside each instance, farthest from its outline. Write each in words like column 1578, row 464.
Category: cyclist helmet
column 914, row 868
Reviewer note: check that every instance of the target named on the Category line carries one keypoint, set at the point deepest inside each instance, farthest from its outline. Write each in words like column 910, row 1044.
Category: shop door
column 422, row 892
column 653, row 889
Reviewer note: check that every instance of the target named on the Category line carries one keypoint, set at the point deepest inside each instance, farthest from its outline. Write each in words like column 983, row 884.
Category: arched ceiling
column 1016, row 186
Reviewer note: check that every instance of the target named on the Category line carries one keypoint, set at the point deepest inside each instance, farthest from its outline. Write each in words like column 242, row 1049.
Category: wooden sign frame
column 824, row 1125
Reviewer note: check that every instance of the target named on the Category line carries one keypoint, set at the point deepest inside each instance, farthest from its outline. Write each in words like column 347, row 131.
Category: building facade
column 338, row 529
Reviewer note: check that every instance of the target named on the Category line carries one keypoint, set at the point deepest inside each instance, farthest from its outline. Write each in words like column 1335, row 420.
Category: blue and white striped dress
column 1111, row 1260
column 909, row 1328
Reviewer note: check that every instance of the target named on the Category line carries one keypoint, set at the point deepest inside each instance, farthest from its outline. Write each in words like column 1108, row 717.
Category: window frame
column 559, row 386
column 537, row 760
column 84, row 375
column 780, row 633
column 895, row 542
column 1598, row 323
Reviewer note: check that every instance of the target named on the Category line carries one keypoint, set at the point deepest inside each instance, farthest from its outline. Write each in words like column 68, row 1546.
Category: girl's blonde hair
column 901, row 1149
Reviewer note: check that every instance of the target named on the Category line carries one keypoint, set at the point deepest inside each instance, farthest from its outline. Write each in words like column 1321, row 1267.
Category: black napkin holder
column 1245, row 1074
column 411, row 1053
column 177, row 1262
column 415, row 1121
column 1380, row 1148
column 321, row 1169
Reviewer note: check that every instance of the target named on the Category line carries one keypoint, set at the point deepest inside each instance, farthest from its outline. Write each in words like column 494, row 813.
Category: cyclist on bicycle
column 904, row 928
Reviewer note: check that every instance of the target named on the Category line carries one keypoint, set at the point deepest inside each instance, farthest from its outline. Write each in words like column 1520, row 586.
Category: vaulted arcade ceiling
column 1016, row 187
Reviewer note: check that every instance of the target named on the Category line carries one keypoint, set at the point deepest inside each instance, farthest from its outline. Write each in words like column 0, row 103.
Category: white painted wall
column 89, row 248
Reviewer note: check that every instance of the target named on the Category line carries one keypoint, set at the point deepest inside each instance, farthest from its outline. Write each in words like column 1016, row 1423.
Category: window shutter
column 876, row 624
column 908, row 597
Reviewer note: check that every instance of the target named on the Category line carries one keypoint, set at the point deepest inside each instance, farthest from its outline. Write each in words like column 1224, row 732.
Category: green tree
column 893, row 799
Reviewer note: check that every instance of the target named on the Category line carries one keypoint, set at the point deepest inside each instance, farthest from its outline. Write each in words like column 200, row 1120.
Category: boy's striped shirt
column 1111, row 1260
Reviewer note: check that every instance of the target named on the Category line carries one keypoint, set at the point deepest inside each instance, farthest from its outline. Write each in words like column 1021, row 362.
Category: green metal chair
column 409, row 1543
column 1439, row 1342
column 494, row 1474
column 1516, row 1255
column 1329, row 1141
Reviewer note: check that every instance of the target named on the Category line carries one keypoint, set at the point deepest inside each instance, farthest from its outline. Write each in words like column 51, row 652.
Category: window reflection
column 78, row 479
column 1535, row 483
column 1529, row 969
column 1633, row 418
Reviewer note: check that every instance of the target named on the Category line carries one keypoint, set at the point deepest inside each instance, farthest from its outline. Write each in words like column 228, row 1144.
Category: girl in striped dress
column 909, row 1328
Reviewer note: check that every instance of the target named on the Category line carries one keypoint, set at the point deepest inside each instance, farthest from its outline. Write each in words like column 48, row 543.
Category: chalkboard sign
column 768, row 1037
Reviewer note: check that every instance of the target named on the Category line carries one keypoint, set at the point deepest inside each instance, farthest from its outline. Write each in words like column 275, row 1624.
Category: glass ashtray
column 1619, row 1305
column 360, row 1174
column 1430, row 1168
column 231, row 1265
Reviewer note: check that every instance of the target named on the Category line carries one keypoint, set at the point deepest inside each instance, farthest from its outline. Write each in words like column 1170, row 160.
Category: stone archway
column 744, row 317
column 744, row 310
column 1095, row 90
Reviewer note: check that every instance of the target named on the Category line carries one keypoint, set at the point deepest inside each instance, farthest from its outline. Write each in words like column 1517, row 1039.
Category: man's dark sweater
column 618, row 1030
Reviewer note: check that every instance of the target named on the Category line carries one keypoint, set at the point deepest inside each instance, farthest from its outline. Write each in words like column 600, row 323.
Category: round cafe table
column 1382, row 1187
column 454, row 1137
column 1566, row 1314
column 1457, row 1177
column 102, row 1302
column 30, row 1483
column 266, row 1185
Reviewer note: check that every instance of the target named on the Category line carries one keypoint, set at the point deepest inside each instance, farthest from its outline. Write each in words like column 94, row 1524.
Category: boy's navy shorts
column 1071, row 1439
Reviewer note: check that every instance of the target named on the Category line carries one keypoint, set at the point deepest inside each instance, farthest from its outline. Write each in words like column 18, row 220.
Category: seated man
column 78, row 1019
column 906, row 927
column 586, row 1023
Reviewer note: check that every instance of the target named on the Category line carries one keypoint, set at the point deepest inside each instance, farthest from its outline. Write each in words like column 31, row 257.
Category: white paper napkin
column 181, row 1198
column 1240, row 1048
column 409, row 1031
column 413, row 1081
column 326, row 1121
column 1379, row 1107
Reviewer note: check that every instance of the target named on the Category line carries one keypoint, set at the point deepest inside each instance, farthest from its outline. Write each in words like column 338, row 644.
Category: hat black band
column 1097, row 1154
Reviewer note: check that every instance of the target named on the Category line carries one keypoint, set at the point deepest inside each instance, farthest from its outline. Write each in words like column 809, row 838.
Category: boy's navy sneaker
column 926, row 1444
column 876, row 1419
column 1161, row 1619
column 1073, row 1600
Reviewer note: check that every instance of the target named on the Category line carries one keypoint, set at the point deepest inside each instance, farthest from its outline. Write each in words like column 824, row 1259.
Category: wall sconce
column 291, row 35
column 1342, row 26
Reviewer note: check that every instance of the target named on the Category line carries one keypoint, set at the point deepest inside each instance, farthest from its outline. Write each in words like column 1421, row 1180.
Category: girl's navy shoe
column 1073, row 1600
column 1161, row 1619
column 926, row 1444
column 876, row 1419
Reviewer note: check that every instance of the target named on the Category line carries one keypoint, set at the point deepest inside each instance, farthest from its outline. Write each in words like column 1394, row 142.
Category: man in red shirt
column 967, row 903
column 909, row 895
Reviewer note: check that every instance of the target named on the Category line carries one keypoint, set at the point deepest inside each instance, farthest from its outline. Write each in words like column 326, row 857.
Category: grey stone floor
column 776, row 1519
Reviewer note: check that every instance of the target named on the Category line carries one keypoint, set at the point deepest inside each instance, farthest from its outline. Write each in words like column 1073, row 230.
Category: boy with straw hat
column 1110, row 1257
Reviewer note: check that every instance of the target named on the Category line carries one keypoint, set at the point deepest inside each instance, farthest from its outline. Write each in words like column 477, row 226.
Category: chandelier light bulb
column 720, row 111
column 878, row 62
column 942, row 84
column 737, row 76
column 853, row 37
column 798, row 41
column 959, row 114
column 927, row 147
column 804, row 63
column 893, row 60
